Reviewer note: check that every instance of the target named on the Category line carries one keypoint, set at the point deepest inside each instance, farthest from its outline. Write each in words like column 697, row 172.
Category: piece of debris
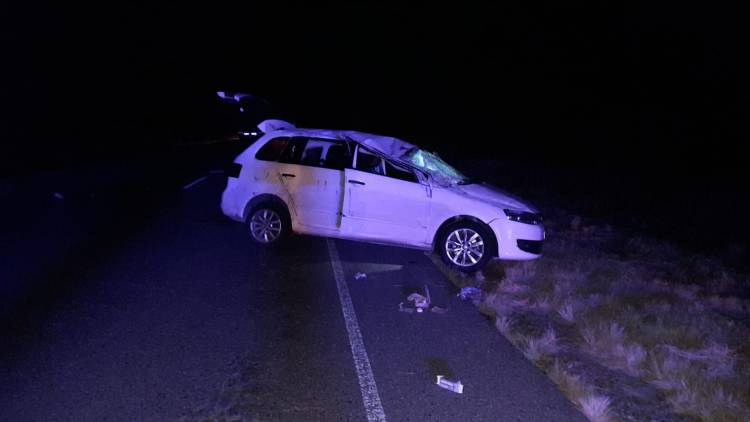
column 360, row 276
column 58, row 195
column 419, row 300
column 403, row 308
column 456, row 386
column 470, row 293
column 438, row 310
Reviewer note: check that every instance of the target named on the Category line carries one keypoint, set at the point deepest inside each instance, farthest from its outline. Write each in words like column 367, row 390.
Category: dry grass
column 595, row 407
column 640, row 307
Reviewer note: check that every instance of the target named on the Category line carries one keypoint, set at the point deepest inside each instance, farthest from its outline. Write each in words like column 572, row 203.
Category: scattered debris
column 470, row 293
column 456, row 386
column 403, row 308
column 360, row 276
column 419, row 300
column 421, row 303
column 58, row 195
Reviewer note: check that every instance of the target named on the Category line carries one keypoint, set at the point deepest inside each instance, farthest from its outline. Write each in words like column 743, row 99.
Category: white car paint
column 359, row 205
column 367, row 214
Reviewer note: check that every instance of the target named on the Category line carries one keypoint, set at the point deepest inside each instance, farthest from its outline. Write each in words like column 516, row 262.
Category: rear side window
column 369, row 162
column 313, row 152
column 399, row 172
column 293, row 151
column 271, row 151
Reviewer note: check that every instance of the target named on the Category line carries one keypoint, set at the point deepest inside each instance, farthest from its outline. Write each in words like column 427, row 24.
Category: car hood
column 492, row 195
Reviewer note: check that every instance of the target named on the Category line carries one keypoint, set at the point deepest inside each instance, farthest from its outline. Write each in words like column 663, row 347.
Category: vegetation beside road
column 629, row 328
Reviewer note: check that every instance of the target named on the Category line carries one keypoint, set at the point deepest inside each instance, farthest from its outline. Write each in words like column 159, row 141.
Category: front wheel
column 466, row 246
column 267, row 224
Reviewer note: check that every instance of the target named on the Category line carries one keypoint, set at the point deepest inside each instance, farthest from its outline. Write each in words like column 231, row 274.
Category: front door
column 384, row 201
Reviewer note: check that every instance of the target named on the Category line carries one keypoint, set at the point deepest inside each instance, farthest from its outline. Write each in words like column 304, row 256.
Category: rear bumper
column 233, row 200
column 517, row 241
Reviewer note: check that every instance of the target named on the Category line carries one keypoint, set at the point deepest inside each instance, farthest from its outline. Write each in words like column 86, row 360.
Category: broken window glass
column 441, row 171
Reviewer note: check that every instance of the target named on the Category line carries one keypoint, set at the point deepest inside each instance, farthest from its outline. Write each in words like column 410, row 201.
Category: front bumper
column 517, row 241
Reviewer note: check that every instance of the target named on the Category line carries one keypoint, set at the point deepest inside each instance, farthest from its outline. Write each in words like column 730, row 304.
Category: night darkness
column 148, row 272
column 648, row 101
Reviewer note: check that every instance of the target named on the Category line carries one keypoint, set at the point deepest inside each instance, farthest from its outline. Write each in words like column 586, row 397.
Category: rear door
column 312, row 172
column 384, row 201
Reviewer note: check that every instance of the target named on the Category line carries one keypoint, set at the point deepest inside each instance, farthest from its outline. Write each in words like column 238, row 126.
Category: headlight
column 523, row 217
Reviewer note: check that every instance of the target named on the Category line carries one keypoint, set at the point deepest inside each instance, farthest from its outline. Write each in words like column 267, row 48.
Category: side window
column 293, row 151
column 337, row 156
column 272, row 149
column 398, row 172
column 369, row 162
column 317, row 153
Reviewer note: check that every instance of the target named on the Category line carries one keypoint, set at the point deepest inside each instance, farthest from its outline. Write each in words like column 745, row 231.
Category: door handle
column 356, row 182
column 288, row 175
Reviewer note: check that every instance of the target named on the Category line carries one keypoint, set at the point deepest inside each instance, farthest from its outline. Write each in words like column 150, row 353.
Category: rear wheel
column 267, row 224
column 466, row 246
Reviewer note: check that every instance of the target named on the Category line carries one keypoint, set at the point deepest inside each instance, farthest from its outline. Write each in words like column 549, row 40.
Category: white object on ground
column 456, row 386
column 419, row 300
column 401, row 308
column 360, row 276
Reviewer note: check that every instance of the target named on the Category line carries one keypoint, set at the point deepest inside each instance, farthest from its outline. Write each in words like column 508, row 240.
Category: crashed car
column 359, row 186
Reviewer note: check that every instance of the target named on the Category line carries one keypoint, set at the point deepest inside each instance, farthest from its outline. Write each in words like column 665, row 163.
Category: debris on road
column 58, row 195
column 403, row 308
column 420, row 302
column 360, row 276
column 456, row 386
column 470, row 293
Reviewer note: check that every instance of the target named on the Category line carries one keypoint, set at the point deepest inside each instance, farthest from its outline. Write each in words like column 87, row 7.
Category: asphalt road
column 165, row 311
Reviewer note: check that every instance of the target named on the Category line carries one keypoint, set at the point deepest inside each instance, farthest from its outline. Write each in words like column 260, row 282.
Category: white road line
column 194, row 182
column 370, row 396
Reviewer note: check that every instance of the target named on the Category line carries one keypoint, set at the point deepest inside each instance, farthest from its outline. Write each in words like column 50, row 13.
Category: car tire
column 466, row 246
column 268, row 223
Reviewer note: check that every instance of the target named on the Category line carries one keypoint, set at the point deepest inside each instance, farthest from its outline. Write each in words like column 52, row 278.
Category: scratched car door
column 312, row 172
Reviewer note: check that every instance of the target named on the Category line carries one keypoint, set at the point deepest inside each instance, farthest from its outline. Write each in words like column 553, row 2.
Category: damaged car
column 365, row 187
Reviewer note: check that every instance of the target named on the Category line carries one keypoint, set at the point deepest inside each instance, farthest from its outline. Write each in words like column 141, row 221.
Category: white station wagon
column 359, row 186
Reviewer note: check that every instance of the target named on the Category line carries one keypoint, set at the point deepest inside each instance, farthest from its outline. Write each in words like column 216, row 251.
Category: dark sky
column 582, row 81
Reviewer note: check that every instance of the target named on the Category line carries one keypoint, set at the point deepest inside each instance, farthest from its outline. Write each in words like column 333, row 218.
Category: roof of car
column 386, row 145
